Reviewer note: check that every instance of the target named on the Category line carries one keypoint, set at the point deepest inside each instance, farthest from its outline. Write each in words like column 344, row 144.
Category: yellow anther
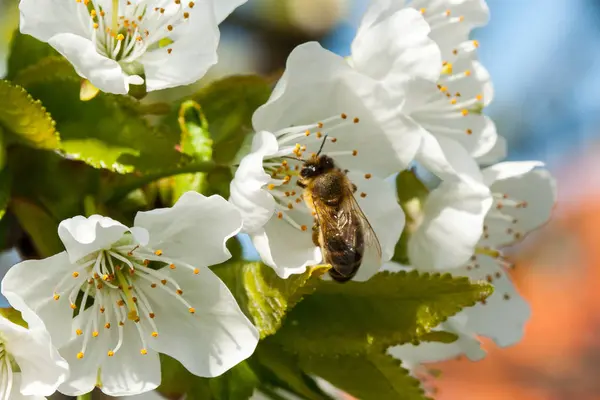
column 79, row 332
column 447, row 69
column 464, row 112
column 423, row 10
column 192, row 310
column 443, row 89
column 110, row 353
column 154, row 334
column 73, row 306
column 468, row 72
column 475, row 43
column 95, row 334
column 196, row 271
column 158, row 252
column 143, row 352
column 75, row 274
column 479, row 97
column 270, row 186
column 80, row 355
column 307, row 133
column 105, row 277
column 453, row 101
column 172, row 266
column 107, row 325
column 179, row 292
column 120, row 37
column 56, row 296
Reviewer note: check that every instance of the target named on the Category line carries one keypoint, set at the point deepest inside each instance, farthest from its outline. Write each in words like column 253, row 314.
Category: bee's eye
column 308, row 171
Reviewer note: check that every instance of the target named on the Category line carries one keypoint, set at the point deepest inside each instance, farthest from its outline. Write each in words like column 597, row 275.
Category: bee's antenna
column 294, row 158
column 322, row 144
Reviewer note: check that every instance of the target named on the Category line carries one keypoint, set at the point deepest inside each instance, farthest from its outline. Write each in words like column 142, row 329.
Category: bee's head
column 317, row 166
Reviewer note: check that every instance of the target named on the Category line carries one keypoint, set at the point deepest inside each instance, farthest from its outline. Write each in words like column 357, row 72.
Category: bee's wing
column 372, row 246
column 345, row 225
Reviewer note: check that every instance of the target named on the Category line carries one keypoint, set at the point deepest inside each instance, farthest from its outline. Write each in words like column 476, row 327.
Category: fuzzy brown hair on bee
column 341, row 229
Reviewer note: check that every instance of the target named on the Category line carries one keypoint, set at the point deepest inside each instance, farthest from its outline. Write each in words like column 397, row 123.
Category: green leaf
column 367, row 376
column 389, row 309
column 48, row 69
column 281, row 369
column 99, row 154
column 236, row 384
column 108, row 131
column 195, row 142
column 342, row 331
column 411, row 196
column 228, row 105
column 5, row 183
column 26, row 51
column 39, row 225
column 25, row 118
column 266, row 297
column 14, row 316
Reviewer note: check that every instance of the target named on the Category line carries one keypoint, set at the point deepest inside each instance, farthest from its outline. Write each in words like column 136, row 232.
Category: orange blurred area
column 558, row 272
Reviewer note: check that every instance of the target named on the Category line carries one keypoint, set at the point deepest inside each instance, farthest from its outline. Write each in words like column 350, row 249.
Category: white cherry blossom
column 115, row 43
column 321, row 98
column 445, row 90
column 118, row 296
column 523, row 197
column 30, row 367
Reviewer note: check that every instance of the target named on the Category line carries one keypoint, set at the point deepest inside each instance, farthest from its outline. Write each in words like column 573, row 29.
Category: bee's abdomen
column 344, row 258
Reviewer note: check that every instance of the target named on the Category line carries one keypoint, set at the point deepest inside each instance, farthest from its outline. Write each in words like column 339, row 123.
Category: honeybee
column 341, row 229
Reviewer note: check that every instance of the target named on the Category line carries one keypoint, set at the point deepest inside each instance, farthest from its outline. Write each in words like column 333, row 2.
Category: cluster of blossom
column 412, row 91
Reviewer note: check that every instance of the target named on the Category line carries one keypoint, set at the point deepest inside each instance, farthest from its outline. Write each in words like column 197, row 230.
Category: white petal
column 505, row 170
column 84, row 372
column 193, row 51
column 194, row 230
column 318, row 84
column 34, row 282
column 379, row 10
column 102, row 72
column 448, row 160
column 386, row 217
column 537, row 189
column 475, row 13
column 453, row 223
column 44, row 19
column 83, row 236
column 247, row 189
column 504, row 314
column 211, row 341
column 284, row 248
column 496, row 154
column 129, row 372
column 42, row 368
column 15, row 393
column 397, row 48
column 225, row 7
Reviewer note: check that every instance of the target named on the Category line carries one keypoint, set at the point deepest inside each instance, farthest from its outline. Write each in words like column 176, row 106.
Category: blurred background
column 544, row 58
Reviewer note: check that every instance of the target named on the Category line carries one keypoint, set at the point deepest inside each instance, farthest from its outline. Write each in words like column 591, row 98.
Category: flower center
column 6, row 372
column 108, row 287
column 284, row 167
column 457, row 96
column 124, row 34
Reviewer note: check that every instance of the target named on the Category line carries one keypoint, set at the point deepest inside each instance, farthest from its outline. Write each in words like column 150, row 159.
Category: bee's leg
column 302, row 185
column 354, row 188
column 315, row 234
